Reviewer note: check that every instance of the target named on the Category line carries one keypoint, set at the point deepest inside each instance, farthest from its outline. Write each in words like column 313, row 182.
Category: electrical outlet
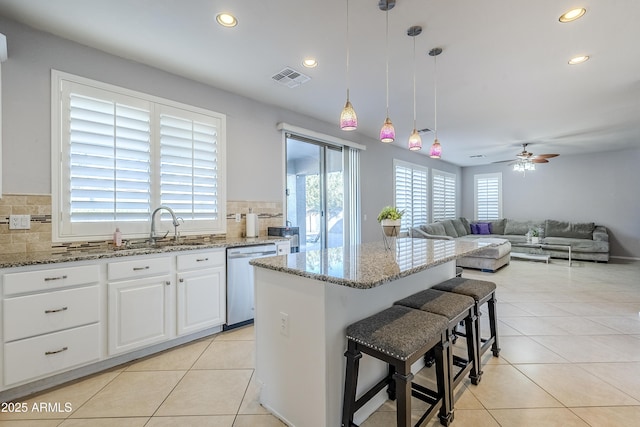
column 19, row 222
column 238, row 217
column 284, row 324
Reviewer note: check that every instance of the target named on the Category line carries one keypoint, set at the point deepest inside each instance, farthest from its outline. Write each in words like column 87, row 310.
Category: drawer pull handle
column 181, row 280
column 57, row 310
column 202, row 259
column 146, row 267
column 168, row 283
column 49, row 353
column 48, row 279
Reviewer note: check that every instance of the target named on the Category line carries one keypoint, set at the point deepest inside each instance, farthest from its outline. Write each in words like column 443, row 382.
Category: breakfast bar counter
column 305, row 301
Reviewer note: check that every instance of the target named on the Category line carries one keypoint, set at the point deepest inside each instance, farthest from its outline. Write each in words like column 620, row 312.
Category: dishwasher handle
column 231, row 255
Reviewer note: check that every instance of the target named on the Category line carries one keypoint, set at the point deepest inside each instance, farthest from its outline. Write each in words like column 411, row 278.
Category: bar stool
column 481, row 291
column 457, row 308
column 399, row 336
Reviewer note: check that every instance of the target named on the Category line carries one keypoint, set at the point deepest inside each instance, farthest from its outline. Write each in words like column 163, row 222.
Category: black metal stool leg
column 353, row 356
column 493, row 325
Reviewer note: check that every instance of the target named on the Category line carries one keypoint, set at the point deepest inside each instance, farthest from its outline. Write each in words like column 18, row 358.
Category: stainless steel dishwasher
column 240, row 295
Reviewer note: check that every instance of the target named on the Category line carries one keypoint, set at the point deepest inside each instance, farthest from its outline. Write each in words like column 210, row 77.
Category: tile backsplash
column 38, row 237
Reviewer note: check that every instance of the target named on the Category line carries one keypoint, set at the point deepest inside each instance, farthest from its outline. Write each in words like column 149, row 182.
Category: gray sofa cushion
column 497, row 226
column 521, row 227
column 449, row 229
column 467, row 225
column 577, row 230
column 461, row 230
column 436, row 229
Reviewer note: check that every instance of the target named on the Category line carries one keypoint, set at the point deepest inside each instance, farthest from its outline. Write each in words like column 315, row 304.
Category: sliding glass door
column 316, row 192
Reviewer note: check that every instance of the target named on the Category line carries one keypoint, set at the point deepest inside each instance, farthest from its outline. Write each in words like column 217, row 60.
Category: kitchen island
column 304, row 302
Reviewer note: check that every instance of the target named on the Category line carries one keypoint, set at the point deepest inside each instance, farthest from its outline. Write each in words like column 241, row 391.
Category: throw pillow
column 466, row 224
column 474, row 228
column 483, row 228
column 435, row 229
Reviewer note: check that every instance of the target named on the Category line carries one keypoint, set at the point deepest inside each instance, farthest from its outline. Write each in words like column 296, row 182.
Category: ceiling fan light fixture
column 572, row 15
column 578, row 59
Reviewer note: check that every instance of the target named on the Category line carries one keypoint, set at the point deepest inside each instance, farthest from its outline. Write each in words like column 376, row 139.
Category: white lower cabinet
column 139, row 313
column 50, row 353
column 201, row 301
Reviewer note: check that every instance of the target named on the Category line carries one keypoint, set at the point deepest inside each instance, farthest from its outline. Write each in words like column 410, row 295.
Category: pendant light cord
column 435, row 95
column 414, row 83
column 348, row 43
column 387, row 16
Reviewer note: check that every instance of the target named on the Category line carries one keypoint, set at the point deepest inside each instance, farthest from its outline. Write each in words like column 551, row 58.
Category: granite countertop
column 52, row 257
column 369, row 265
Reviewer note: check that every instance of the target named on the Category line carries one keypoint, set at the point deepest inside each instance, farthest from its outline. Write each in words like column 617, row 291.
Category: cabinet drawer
column 201, row 260
column 48, row 312
column 54, row 278
column 47, row 354
column 138, row 268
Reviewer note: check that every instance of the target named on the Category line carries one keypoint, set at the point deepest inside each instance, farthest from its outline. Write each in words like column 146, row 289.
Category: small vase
column 535, row 239
column 391, row 227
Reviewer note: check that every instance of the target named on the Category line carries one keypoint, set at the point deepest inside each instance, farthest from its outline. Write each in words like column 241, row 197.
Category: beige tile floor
column 570, row 339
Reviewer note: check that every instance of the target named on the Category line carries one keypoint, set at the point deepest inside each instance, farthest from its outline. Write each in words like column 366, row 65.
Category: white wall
column 602, row 188
column 254, row 151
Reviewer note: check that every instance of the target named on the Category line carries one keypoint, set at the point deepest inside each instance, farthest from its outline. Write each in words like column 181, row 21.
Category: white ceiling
column 503, row 78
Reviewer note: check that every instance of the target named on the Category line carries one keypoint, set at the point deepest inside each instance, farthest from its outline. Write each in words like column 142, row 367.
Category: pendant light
column 415, row 142
column 436, row 149
column 348, row 118
column 387, row 133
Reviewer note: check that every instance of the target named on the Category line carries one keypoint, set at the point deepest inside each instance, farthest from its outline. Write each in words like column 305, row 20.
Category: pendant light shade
column 415, row 141
column 348, row 118
column 388, row 132
column 435, row 152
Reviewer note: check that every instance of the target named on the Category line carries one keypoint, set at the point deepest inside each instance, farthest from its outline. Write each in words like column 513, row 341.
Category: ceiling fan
column 525, row 155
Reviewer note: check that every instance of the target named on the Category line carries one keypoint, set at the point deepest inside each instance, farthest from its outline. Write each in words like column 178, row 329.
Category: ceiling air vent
column 290, row 78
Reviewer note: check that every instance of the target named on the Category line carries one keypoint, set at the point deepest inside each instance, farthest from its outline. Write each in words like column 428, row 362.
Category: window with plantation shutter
column 188, row 166
column 443, row 195
column 119, row 154
column 410, row 193
column 488, row 196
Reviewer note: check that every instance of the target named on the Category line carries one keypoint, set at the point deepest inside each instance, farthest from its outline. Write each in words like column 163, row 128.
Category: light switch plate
column 19, row 222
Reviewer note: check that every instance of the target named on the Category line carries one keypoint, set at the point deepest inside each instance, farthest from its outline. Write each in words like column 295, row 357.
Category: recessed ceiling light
column 310, row 62
column 578, row 59
column 572, row 15
column 226, row 20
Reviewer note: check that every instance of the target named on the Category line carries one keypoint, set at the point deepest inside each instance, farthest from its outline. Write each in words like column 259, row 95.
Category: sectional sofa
column 588, row 241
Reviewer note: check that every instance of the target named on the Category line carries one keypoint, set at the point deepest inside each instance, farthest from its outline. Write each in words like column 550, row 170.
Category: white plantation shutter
column 488, row 196
column 443, row 195
column 109, row 161
column 188, row 171
column 410, row 186
column 119, row 154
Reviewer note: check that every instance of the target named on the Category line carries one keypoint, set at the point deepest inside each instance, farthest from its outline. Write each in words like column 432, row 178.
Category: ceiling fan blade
column 546, row 156
column 539, row 160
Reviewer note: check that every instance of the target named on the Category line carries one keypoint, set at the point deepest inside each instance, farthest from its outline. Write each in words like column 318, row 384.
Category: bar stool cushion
column 398, row 331
column 477, row 289
column 447, row 304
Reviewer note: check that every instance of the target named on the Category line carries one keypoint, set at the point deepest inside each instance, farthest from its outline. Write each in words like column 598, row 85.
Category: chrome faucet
column 152, row 235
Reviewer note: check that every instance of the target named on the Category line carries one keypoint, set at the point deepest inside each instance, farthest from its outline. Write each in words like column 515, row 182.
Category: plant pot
column 391, row 227
column 535, row 239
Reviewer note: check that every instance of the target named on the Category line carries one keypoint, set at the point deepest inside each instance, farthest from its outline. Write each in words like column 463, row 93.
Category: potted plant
column 535, row 236
column 390, row 219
